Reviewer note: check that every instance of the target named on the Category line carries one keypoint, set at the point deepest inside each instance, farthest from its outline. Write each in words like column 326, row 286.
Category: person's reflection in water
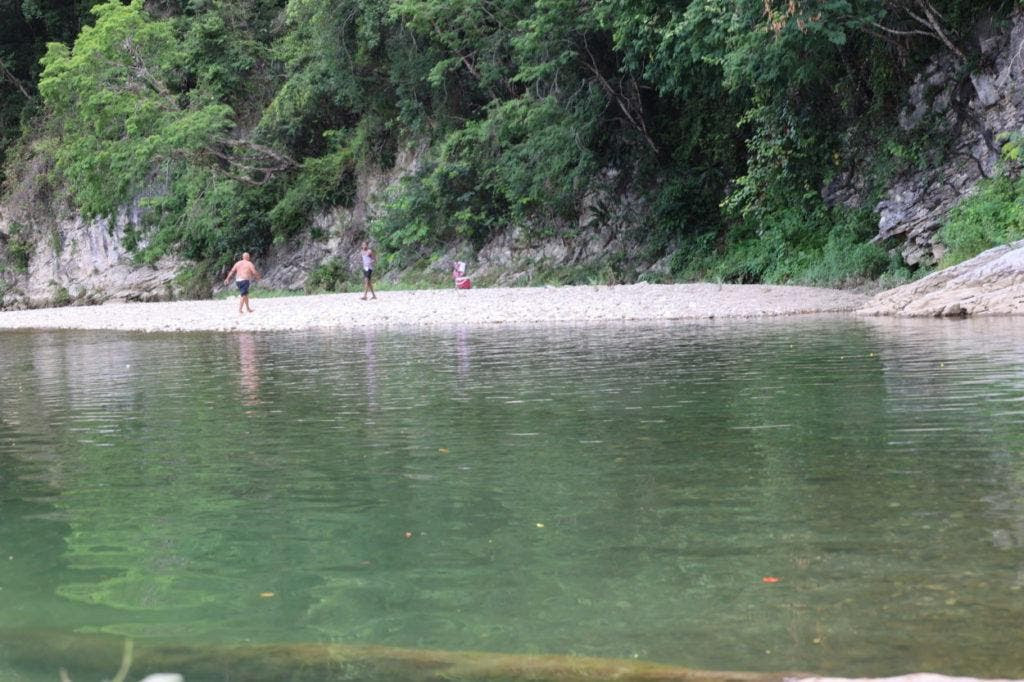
column 462, row 351
column 248, row 370
column 370, row 349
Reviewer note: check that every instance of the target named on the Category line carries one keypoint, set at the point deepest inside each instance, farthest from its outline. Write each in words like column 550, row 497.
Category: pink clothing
column 459, row 276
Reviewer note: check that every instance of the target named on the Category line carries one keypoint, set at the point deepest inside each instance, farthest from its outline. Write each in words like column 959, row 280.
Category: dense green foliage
column 991, row 217
column 25, row 28
column 215, row 125
column 994, row 214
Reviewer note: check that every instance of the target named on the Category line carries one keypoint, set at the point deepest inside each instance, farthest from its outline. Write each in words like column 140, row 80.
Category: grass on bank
column 992, row 216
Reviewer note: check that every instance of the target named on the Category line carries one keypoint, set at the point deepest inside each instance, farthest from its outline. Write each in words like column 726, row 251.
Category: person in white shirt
column 369, row 260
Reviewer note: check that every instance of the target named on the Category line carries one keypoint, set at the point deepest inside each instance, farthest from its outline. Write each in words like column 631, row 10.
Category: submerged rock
column 913, row 677
column 90, row 655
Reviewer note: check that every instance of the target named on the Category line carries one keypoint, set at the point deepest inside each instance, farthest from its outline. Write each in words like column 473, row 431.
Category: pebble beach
column 566, row 304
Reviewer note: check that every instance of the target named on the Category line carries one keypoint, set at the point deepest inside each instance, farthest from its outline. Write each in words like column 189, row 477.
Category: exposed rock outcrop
column 335, row 235
column 991, row 283
column 77, row 261
column 972, row 112
column 84, row 261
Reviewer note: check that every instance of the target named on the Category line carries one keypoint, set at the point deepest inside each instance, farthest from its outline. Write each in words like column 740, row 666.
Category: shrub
column 994, row 215
column 321, row 183
column 827, row 247
column 848, row 256
column 193, row 282
column 19, row 247
column 61, row 296
column 331, row 275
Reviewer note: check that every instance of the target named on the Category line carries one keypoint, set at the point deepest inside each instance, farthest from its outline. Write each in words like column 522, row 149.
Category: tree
column 134, row 119
column 25, row 26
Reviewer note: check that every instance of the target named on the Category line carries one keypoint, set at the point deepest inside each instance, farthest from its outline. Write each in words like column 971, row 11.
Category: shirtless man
column 245, row 273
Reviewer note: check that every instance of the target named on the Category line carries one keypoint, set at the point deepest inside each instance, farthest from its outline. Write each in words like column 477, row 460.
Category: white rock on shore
column 450, row 307
column 991, row 283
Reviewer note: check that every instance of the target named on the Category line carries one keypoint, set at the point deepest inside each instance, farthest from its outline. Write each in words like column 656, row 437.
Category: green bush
column 19, row 247
column 194, row 282
column 827, row 247
column 321, row 183
column 693, row 258
column 61, row 296
column 848, row 256
column 994, row 215
column 205, row 217
column 410, row 215
column 784, row 245
column 331, row 275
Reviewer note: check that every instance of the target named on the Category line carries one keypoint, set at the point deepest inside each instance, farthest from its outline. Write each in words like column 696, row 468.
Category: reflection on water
column 609, row 491
column 462, row 352
column 248, row 369
column 369, row 338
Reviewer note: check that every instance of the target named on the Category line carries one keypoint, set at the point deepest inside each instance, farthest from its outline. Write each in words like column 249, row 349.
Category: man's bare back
column 244, row 272
column 243, row 269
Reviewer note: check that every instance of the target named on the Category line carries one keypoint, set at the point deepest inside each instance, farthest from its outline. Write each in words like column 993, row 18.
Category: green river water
column 831, row 495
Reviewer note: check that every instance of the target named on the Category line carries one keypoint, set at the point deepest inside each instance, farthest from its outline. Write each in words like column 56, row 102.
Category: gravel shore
column 633, row 302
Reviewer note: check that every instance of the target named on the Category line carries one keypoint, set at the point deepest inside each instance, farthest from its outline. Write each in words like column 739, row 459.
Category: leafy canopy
column 240, row 120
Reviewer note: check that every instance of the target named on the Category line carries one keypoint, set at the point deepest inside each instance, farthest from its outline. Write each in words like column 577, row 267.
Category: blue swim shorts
column 243, row 287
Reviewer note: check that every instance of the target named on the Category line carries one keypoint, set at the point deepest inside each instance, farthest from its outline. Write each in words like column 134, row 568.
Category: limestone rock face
column 85, row 262
column 991, row 283
column 81, row 262
column 965, row 117
column 339, row 231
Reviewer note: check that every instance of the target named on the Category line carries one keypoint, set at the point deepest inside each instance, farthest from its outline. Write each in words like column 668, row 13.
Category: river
column 827, row 494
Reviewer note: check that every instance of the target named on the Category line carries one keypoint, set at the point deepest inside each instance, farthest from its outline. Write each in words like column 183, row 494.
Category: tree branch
column 898, row 32
column 243, row 171
column 934, row 20
column 926, row 16
column 14, row 80
column 266, row 163
column 466, row 61
column 618, row 98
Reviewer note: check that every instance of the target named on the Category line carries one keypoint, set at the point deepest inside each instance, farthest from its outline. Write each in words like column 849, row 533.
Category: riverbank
column 635, row 302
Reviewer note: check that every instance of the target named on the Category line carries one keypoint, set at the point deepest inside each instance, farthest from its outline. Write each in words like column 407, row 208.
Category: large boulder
column 991, row 283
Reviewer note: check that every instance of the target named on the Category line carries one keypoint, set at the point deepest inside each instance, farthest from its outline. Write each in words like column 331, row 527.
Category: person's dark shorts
column 367, row 274
column 243, row 287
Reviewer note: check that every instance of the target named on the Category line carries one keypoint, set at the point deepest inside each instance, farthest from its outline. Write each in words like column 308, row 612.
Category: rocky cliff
column 69, row 260
column 81, row 262
column 964, row 113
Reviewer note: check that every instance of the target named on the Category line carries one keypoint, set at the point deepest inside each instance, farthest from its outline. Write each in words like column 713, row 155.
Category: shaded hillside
column 610, row 139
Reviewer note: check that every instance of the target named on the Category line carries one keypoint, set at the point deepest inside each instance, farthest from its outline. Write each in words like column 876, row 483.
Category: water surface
column 615, row 491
